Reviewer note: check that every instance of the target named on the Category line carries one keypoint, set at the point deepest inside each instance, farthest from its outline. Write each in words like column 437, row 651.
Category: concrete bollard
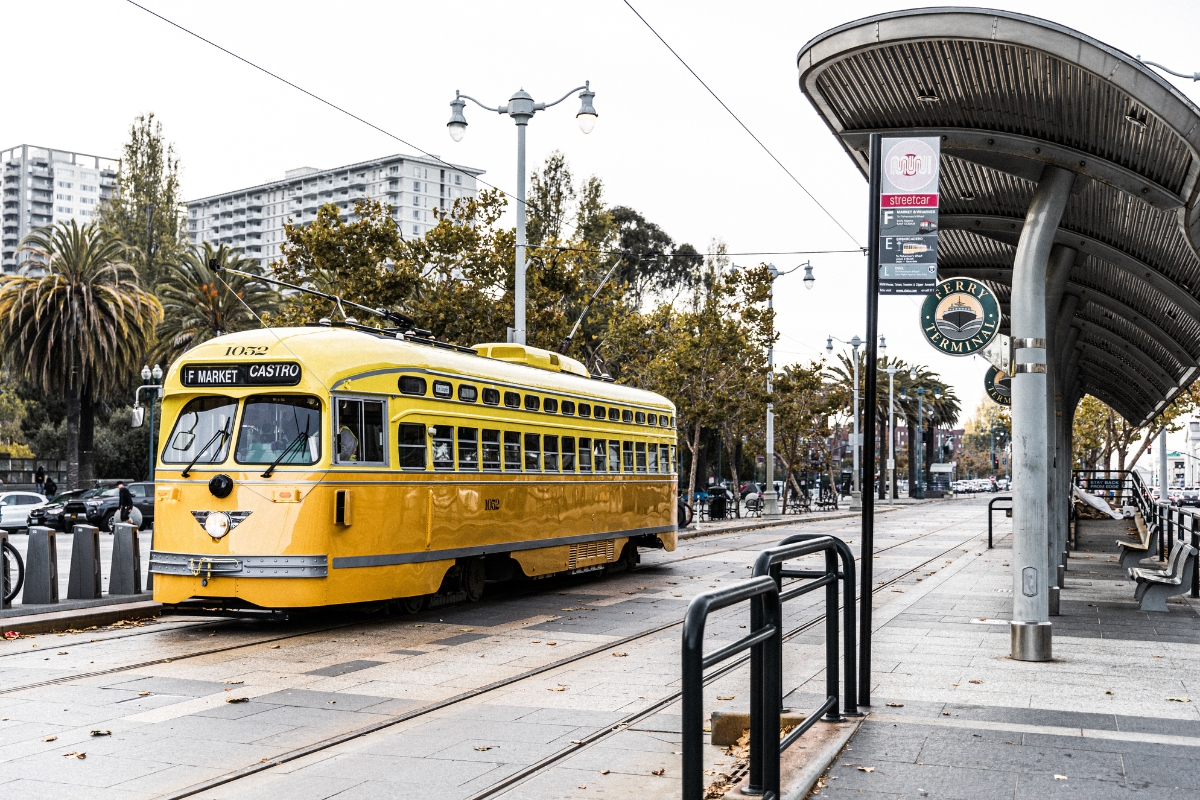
column 149, row 570
column 125, row 575
column 83, row 583
column 41, row 567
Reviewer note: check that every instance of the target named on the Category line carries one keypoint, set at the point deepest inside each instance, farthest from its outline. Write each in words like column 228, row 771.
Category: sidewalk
column 1114, row 715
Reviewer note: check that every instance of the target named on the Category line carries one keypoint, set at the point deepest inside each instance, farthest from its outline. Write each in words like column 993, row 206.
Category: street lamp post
column 891, row 461
column 148, row 375
column 770, row 496
column 855, row 343
column 521, row 108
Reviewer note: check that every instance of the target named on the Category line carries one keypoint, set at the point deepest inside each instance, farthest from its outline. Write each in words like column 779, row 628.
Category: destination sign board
column 254, row 373
column 908, row 214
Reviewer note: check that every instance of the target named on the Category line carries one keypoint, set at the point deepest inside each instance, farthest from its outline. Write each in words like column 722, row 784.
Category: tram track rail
column 587, row 740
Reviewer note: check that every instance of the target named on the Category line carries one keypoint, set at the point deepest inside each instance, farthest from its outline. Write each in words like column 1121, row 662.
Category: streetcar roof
column 331, row 358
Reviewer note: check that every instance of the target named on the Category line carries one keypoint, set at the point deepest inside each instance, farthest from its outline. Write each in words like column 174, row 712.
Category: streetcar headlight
column 217, row 524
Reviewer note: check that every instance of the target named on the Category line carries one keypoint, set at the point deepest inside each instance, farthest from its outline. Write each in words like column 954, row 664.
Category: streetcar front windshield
column 283, row 428
column 202, row 432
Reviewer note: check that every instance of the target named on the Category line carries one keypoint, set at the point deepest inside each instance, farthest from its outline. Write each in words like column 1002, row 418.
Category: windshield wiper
column 221, row 433
column 302, row 436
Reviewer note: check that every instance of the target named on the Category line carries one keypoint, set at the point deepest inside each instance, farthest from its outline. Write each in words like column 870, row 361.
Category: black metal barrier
column 766, row 636
column 1002, row 508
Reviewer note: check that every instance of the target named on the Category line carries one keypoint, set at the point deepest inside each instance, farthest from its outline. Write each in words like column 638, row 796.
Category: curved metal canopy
column 1009, row 95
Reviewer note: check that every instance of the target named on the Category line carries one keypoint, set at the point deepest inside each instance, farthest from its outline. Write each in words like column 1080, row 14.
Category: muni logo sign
column 960, row 317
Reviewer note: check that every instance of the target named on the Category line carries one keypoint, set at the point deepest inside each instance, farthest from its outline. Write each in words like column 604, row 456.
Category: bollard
column 125, row 575
column 41, row 567
column 149, row 572
column 83, row 583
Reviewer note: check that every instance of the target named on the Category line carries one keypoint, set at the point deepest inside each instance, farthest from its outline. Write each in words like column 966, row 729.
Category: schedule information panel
column 908, row 215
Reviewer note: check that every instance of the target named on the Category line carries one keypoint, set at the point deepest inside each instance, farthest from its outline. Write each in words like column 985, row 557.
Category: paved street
column 463, row 701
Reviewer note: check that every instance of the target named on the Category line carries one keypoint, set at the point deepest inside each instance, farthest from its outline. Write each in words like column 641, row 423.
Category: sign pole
column 867, row 547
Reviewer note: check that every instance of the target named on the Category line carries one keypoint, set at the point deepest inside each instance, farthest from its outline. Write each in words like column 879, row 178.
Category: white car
column 15, row 508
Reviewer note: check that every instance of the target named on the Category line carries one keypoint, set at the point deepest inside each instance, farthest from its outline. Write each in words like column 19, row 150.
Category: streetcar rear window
column 359, row 429
column 491, row 397
column 467, row 393
column 443, row 389
column 512, row 399
column 204, row 429
column 410, row 384
column 568, row 408
column 585, row 410
column 550, row 406
column 283, row 428
column 412, row 446
column 443, row 446
column 491, row 450
column 532, row 401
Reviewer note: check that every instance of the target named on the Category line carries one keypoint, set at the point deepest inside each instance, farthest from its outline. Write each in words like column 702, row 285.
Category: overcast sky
column 78, row 72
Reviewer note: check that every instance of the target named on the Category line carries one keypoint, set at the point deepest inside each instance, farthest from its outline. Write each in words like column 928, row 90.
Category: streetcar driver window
column 585, row 455
column 653, row 453
column 512, row 451
column 359, row 427
column 468, row 449
column 412, row 446
column 491, row 397
column 201, row 424
column 550, row 444
column 614, row 455
column 284, row 428
column 628, row 447
column 641, row 456
column 599, row 450
column 512, row 399
column 491, row 450
column 443, row 446
column 568, row 454
column 533, row 453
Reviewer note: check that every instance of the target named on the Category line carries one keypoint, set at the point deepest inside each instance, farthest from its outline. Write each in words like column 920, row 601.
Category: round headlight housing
column 216, row 524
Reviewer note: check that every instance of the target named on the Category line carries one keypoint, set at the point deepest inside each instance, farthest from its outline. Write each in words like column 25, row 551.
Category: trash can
column 717, row 506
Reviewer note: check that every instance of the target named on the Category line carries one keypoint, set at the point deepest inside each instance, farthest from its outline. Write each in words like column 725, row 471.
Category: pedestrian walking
column 39, row 478
column 51, row 488
column 124, row 502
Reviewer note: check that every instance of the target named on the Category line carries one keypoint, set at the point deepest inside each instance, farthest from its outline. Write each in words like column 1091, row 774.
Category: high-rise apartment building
column 253, row 218
column 42, row 186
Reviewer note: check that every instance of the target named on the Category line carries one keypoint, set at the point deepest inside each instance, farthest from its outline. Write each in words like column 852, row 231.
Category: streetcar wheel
column 473, row 577
column 414, row 605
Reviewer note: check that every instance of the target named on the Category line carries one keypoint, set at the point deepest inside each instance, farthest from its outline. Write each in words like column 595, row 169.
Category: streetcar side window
column 628, row 449
column 614, row 455
column 468, row 449
column 653, row 458
column 467, row 393
column 512, row 400
column 598, row 411
column 639, row 417
column 532, row 401
column 512, row 451
column 568, row 454
column 443, row 446
column 627, row 416
column 641, row 456
column 601, row 459
column 585, row 410
column 491, row 450
column 614, row 414
column 443, row 390
column 664, row 457
column 412, row 446
column 491, row 397
column 359, row 426
column 550, row 448
column 585, row 455
column 533, row 452
column 410, row 384
column 652, row 419
column 568, row 408
column 550, row 406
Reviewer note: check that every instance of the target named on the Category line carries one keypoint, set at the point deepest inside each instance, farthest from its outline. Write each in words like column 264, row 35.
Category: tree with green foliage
column 80, row 330
column 199, row 305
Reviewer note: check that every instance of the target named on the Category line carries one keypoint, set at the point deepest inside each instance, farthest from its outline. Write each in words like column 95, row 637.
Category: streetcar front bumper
column 238, row 566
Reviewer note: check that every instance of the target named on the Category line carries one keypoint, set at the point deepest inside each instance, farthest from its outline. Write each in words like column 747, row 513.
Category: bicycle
column 11, row 589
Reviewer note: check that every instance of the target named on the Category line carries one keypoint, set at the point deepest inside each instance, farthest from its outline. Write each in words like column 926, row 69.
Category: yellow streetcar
column 335, row 464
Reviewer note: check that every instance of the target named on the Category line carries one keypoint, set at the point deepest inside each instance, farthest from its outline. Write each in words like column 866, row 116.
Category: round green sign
column 998, row 384
column 960, row 317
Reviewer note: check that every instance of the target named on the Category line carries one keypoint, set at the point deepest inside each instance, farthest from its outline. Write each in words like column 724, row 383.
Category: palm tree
column 199, row 305
column 80, row 329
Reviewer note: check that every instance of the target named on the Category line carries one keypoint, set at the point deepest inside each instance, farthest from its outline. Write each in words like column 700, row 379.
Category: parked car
column 1189, row 497
column 15, row 508
column 51, row 514
column 101, row 509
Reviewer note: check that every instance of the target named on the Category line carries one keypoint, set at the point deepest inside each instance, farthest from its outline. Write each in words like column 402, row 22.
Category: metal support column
column 1058, row 272
column 1030, row 627
column 1163, row 483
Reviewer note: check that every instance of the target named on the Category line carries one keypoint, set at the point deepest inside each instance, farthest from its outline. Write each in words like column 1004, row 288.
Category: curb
column 797, row 785
column 775, row 523
column 56, row 621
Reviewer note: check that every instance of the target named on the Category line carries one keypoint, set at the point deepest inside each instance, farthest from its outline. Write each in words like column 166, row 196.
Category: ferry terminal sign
column 998, row 384
column 960, row 316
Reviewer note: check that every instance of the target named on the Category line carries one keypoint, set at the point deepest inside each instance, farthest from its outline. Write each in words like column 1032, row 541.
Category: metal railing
column 765, row 642
column 1007, row 508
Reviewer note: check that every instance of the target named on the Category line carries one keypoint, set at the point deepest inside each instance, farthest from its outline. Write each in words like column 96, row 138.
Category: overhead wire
column 745, row 127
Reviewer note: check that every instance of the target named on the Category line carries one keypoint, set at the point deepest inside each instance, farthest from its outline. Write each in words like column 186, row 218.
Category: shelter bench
column 1155, row 586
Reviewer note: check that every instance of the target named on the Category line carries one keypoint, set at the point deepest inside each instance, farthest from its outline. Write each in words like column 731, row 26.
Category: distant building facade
column 41, row 186
column 254, row 218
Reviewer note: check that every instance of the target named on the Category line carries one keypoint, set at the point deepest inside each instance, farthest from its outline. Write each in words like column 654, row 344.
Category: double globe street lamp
column 919, row 475
column 148, row 375
column 855, row 343
column 521, row 108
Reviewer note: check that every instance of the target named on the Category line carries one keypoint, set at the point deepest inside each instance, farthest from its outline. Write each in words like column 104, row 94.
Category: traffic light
column 995, row 463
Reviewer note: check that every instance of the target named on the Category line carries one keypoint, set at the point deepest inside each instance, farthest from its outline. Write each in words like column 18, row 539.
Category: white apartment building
column 42, row 186
column 253, row 219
